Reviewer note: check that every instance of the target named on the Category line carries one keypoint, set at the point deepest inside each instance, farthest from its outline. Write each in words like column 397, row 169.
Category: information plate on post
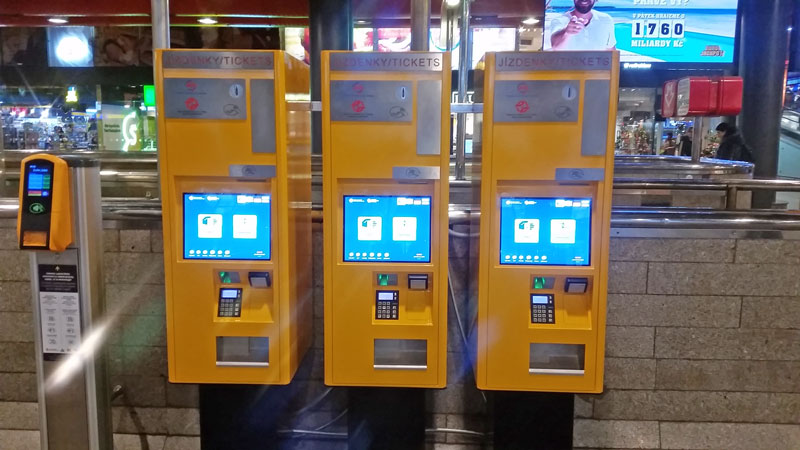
column 205, row 98
column 59, row 306
column 536, row 101
column 371, row 101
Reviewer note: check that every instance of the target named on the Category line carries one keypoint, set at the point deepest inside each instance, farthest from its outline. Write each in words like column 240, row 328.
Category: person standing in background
column 669, row 145
column 685, row 144
column 732, row 146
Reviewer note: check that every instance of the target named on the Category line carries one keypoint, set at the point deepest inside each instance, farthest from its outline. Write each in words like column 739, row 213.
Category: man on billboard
column 582, row 28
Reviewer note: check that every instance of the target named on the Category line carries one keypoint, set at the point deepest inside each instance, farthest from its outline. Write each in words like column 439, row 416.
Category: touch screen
column 226, row 226
column 545, row 231
column 40, row 180
column 387, row 229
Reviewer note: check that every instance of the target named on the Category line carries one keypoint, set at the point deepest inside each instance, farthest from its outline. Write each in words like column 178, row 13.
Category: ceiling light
column 452, row 3
column 58, row 20
column 530, row 21
column 207, row 21
column 361, row 22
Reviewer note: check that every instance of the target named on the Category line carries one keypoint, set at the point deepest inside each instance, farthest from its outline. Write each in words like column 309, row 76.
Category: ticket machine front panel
column 545, row 220
column 235, row 171
column 385, row 166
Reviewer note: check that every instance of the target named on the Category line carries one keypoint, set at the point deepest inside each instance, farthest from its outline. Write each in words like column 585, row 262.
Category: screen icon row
column 525, row 258
column 209, row 252
column 366, row 255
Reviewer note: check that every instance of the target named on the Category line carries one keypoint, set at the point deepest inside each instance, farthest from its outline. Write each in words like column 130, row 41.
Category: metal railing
column 132, row 212
column 731, row 187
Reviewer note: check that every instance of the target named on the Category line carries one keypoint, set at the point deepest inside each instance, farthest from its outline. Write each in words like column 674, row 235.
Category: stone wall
column 703, row 352
column 703, row 347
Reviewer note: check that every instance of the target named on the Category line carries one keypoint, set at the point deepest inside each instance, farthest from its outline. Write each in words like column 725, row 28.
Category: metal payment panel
column 236, row 186
column 547, row 171
column 385, row 197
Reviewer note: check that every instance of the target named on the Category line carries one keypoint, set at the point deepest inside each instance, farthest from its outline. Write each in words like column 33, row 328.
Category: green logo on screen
column 36, row 208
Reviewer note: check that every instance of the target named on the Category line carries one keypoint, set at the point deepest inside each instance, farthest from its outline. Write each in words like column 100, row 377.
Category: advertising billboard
column 648, row 31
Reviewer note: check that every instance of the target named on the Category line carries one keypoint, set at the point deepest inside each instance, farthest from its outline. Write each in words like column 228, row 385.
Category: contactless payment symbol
column 398, row 112
column 191, row 85
column 36, row 208
column 231, row 110
column 358, row 106
column 192, row 103
column 522, row 106
column 563, row 111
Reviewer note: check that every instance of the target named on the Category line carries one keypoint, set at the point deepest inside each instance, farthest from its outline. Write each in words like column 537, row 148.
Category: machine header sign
column 218, row 60
column 387, row 62
column 538, row 61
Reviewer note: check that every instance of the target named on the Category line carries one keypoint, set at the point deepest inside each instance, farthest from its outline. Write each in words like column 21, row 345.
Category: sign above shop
column 702, row 96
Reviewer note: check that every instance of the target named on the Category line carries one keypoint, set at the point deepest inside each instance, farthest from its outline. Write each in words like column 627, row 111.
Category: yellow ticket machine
column 547, row 172
column 236, row 198
column 385, row 170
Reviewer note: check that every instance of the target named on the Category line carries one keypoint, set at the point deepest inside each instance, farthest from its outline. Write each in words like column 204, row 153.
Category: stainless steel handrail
column 731, row 187
column 721, row 185
column 105, row 156
column 623, row 163
column 673, row 218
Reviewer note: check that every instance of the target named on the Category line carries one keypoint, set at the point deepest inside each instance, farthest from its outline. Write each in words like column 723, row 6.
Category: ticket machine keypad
column 542, row 308
column 230, row 302
column 386, row 305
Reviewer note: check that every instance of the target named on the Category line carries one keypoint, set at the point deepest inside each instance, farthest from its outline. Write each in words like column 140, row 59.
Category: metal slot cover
column 242, row 351
column 401, row 354
column 557, row 359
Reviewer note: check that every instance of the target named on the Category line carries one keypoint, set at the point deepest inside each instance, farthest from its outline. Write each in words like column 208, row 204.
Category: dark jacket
column 732, row 148
column 685, row 146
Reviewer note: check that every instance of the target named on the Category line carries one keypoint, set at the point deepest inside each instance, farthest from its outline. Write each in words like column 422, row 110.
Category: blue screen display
column 40, row 180
column 545, row 231
column 226, row 226
column 387, row 229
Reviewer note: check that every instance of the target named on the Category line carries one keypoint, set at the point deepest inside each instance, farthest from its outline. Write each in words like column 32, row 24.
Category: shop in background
column 636, row 130
column 114, row 114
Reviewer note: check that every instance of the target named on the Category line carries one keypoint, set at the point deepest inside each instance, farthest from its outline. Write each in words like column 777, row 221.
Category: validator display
column 545, row 231
column 387, row 229
column 226, row 226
